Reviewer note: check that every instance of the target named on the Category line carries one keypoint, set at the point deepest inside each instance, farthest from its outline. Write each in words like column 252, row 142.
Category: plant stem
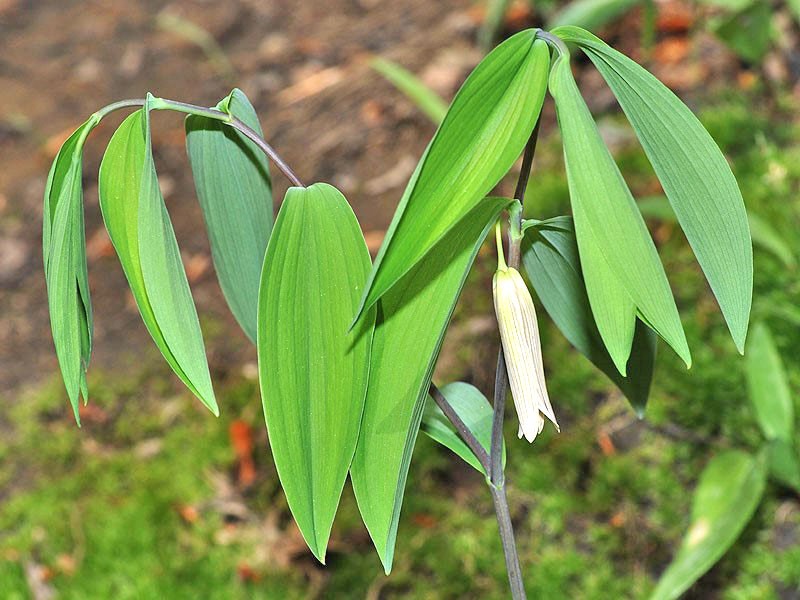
column 509, row 546
column 217, row 115
column 477, row 448
column 497, row 483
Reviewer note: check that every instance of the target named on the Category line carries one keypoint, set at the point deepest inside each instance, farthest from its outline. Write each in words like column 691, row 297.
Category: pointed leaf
column 313, row 372
column 475, row 411
column 482, row 135
column 727, row 495
column 64, row 253
column 412, row 319
column 695, row 175
column 231, row 176
column 140, row 229
column 768, row 386
column 550, row 258
column 623, row 274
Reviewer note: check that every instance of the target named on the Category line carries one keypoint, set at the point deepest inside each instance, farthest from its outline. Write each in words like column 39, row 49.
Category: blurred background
column 154, row 498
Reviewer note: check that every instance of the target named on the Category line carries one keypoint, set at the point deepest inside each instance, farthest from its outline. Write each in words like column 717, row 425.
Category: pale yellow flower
column 519, row 333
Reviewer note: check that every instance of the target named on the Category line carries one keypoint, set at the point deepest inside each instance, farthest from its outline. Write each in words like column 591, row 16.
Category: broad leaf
column 475, row 411
column 550, row 258
column 64, row 252
column 764, row 235
column 412, row 319
column 426, row 99
column 482, row 135
column 231, row 176
column 313, row 373
column 142, row 234
column 768, row 386
column 623, row 274
column 695, row 175
column 727, row 495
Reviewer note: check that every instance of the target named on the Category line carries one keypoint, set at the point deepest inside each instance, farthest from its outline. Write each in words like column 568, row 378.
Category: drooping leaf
column 141, row 232
column 592, row 14
column 482, row 135
column 64, row 253
column 313, row 373
column 233, row 185
column 412, row 319
column 550, row 258
column 727, row 495
column 426, row 99
column 695, row 175
column 764, row 235
column 623, row 274
column 475, row 411
column 768, row 386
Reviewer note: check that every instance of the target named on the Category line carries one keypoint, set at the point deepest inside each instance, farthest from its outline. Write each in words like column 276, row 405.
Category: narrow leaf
column 426, row 99
column 768, row 386
column 475, row 411
column 550, row 258
column 623, row 274
column 482, row 135
column 695, row 175
column 231, row 176
column 591, row 14
column 727, row 495
column 140, row 229
column 412, row 319
column 313, row 372
column 64, row 252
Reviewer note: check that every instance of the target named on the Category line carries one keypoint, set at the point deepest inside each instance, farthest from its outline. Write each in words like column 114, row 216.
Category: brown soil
column 303, row 64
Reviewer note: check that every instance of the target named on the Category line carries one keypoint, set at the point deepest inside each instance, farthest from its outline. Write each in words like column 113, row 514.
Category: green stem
column 211, row 113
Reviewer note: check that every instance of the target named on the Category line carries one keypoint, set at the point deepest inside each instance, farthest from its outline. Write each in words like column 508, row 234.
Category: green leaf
column 412, row 319
column 482, row 135
column 313, row 373
column 475, row 411
column 140, row 229
column 748, row 32
column 64, row 252
column 426, row 99
column 550, row 258
column 592, row 14
column 768, row 386
column 763, row 234
column 695, row 175
column 727, row 495
column 623, row 274
column 231, row 176
column 784, row 463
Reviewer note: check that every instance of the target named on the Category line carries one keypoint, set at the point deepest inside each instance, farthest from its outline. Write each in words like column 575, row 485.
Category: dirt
column 305, row 67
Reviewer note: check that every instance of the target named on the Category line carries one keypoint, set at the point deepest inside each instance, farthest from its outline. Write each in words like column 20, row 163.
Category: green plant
column 347, row 348
column 733, row 483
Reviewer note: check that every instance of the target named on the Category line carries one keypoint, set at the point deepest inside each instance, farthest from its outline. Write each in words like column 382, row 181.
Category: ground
column 155, row 498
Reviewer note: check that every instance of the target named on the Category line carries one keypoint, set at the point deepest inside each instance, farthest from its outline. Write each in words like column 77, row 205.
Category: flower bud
column 519, row 333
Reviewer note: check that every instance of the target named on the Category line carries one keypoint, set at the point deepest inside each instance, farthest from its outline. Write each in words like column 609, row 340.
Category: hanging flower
column 519, row 333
